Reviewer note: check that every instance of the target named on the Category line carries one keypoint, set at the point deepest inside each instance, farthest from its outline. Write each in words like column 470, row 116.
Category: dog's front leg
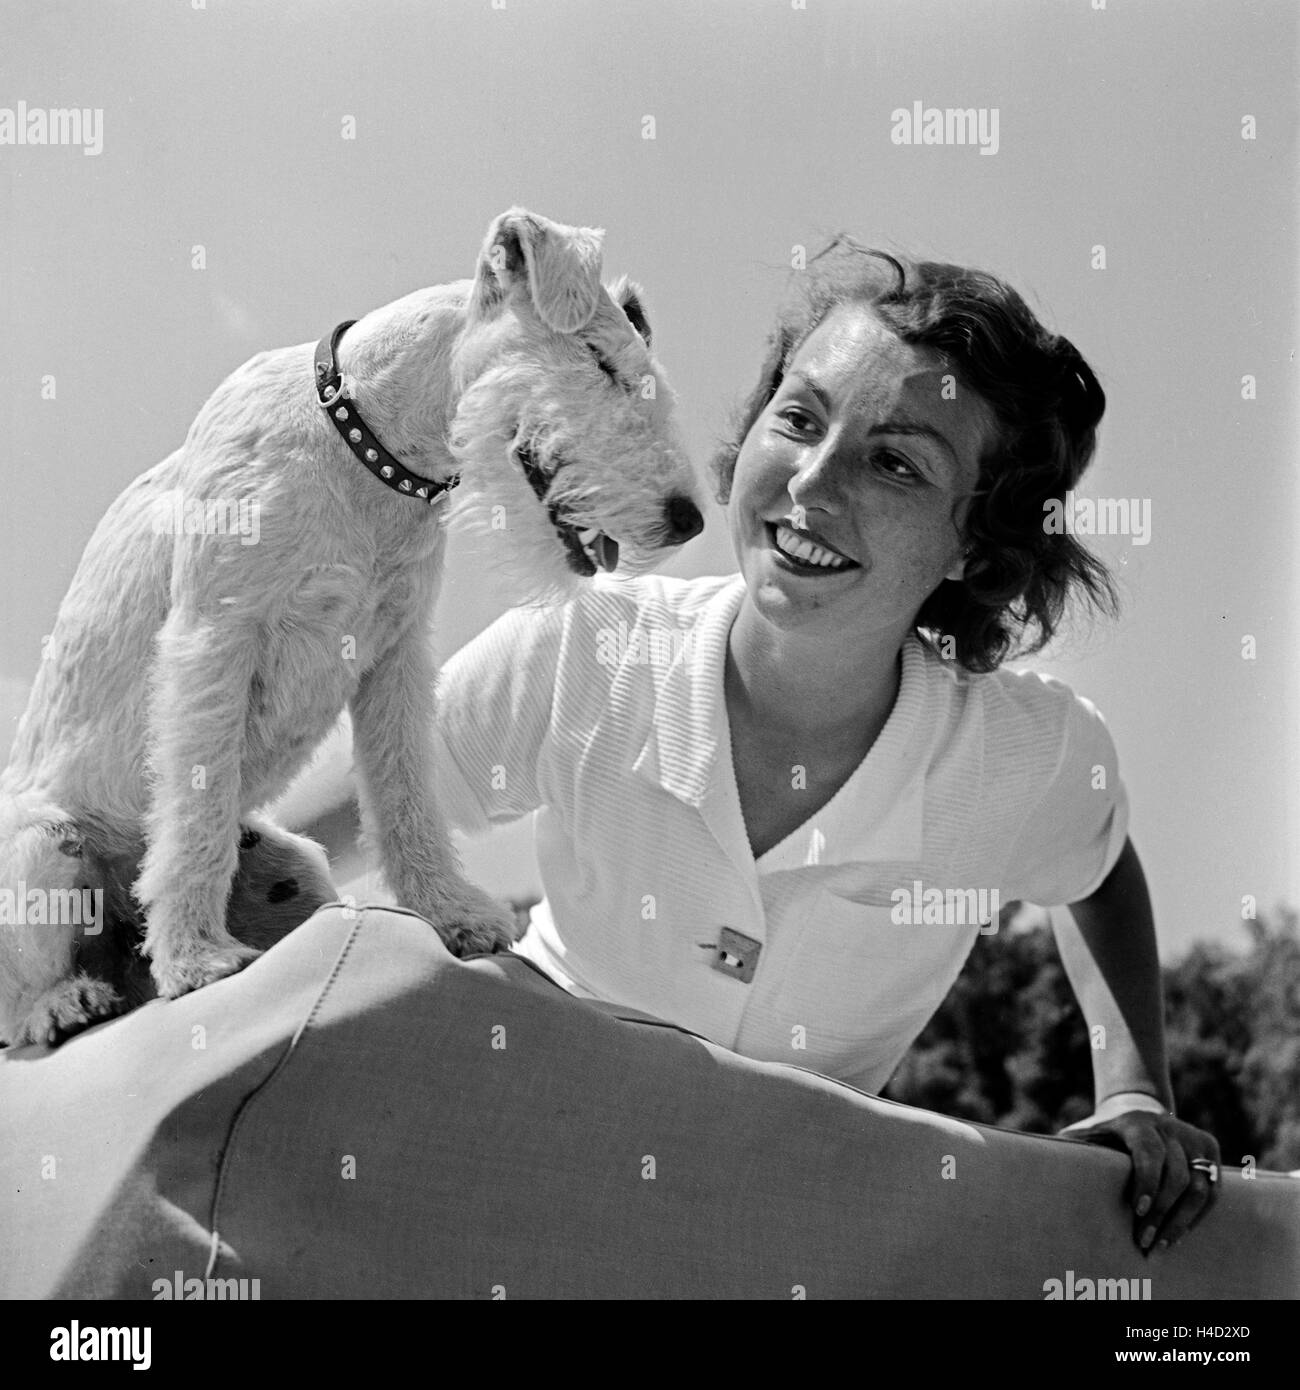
column 199, row 710
column 392, row 717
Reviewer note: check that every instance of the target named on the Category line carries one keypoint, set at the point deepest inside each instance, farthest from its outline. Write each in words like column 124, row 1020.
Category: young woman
column 746, row 790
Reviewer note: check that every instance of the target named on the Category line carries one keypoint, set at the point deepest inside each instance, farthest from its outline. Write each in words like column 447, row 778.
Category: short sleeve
column 495, row 697
column 1075, row 830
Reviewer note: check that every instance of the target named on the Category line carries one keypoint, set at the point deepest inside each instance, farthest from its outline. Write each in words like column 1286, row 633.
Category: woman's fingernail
column 1144, row 1206
column 1147, row 1237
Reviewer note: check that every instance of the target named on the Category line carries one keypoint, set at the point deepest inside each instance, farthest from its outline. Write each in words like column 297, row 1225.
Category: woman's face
column 852, row 486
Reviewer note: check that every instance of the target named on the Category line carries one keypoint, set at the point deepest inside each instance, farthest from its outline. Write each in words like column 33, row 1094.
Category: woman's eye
column 896, row 465
column 798, row 419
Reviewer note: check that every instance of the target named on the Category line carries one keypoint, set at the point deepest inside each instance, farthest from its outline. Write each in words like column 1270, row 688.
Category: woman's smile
column 804, row 552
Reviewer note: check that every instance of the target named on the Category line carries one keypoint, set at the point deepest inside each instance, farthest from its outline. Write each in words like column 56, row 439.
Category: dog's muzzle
column 583, row 549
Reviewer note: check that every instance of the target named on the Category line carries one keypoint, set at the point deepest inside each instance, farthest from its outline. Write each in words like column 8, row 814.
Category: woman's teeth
column 806, row 552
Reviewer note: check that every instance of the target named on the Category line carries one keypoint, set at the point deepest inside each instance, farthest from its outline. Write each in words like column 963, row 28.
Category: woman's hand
column 1169, row 1196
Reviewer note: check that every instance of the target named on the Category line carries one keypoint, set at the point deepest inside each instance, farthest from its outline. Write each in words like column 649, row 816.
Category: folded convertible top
column 359, row 1115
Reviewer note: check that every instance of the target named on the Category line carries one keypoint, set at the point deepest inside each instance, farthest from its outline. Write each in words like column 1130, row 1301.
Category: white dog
column 284, row 564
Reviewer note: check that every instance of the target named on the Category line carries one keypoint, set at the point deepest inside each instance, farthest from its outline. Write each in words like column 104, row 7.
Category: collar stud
column 358, row 436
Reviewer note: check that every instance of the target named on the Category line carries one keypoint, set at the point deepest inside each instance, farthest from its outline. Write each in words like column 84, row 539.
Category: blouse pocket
column 863, row 984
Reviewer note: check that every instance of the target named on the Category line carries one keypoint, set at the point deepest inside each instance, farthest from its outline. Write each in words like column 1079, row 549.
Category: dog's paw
column 475, row 925
column 182, row 972
column 66, row 1008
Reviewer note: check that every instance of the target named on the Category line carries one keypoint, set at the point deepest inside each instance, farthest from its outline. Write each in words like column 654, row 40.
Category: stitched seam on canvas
column 223, row 1160
column 658, row 1023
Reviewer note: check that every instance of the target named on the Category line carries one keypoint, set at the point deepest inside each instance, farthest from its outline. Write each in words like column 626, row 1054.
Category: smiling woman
column 722, row 835
column 985, row 419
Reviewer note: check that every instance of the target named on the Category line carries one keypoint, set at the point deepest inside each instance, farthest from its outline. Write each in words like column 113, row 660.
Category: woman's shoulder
column 1010, row 690
column 649, row 601
column 1018, row 710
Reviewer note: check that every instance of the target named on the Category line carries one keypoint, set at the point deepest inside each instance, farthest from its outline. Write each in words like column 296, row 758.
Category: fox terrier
column 283, row 565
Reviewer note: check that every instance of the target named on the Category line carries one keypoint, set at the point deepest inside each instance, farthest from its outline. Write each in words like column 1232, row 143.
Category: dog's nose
column 684, row 520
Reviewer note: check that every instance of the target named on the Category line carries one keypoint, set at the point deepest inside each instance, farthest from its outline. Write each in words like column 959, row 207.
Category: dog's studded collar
column 357, row 435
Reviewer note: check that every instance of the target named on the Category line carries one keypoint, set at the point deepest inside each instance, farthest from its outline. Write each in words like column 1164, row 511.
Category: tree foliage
column 1010, row 1047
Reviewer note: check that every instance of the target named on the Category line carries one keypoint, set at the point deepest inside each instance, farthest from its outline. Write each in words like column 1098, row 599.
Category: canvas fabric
column 360, row 1115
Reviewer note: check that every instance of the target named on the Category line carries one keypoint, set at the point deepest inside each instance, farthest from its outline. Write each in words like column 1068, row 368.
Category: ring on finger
column 1206, row 1166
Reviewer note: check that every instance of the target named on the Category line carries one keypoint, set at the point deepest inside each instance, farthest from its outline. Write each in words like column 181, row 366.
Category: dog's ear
column 558, row 267
column 627, row 294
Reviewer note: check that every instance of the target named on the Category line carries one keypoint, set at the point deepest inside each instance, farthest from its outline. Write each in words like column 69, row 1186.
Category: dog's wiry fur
column 189, row 677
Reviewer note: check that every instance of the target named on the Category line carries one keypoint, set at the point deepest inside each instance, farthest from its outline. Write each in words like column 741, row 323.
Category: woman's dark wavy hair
column 1047, row 403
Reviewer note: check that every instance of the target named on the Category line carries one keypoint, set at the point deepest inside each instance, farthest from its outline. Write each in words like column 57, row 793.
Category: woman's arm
column 326, row 785
column 1111, row 959
column 493, row 708
column 1113, row 965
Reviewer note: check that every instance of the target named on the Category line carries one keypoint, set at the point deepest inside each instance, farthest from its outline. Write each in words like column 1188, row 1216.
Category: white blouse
column 606, row 720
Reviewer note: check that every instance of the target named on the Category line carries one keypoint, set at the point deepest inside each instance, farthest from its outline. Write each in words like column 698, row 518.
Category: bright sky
column 1118, row 127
